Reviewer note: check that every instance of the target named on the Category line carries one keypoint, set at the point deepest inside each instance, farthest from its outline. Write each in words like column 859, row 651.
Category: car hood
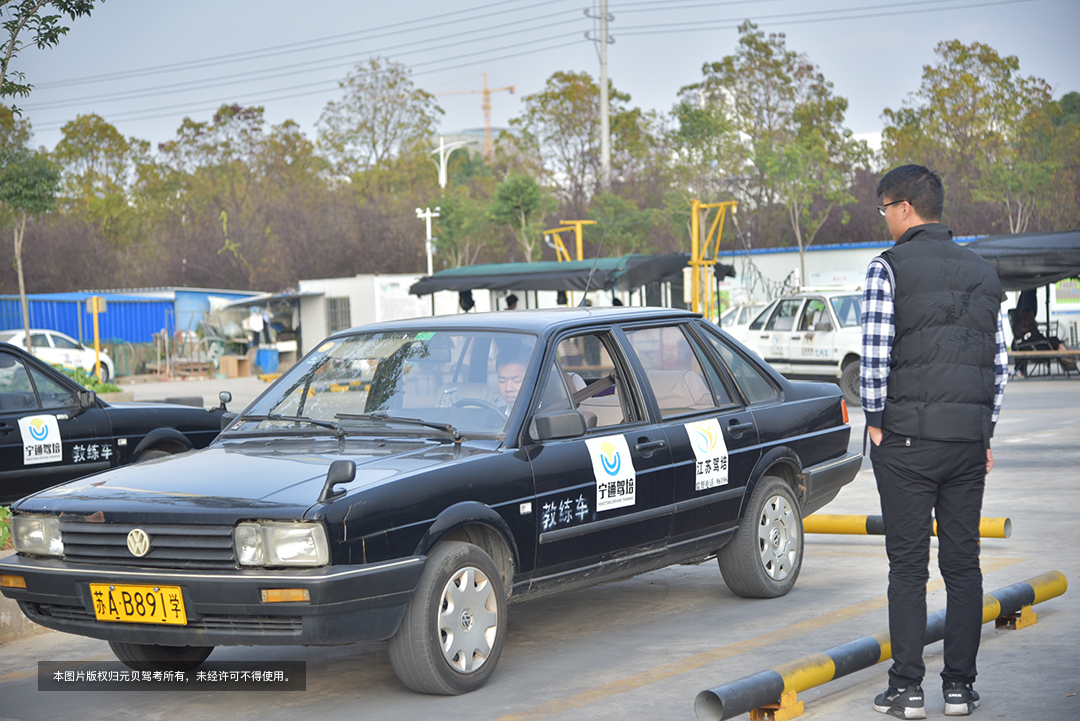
column 261, row 473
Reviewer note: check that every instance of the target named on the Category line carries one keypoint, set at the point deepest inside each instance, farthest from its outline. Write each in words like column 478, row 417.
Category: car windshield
column 6, row 337
column 469, row 380
column 848, row 309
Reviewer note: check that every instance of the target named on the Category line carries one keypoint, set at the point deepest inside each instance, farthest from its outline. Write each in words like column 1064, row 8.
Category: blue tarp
column 127, row 318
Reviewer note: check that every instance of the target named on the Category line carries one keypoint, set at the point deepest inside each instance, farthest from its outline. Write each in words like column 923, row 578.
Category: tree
column 465, row 229
column 14, row 131
column 99, row 167
column 381, row 114
column 559, row 129
column 623, row 227
column 777, row 113
column 520, row 203
column 982, row 126
column 814, row 170
column 28, row 187
column 45, row 29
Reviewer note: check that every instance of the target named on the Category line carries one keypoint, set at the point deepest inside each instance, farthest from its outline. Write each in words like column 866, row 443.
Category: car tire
column 849, row 384
column 148, row 657
column 452, row 634
column 150, row 454
column 764, row 558
column 106, row 373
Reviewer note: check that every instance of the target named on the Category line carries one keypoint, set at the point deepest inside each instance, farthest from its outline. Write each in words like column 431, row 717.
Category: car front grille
column 171, row 546
column 267, row 625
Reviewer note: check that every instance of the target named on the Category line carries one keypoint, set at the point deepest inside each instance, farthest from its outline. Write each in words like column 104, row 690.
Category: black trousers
column 915, row 477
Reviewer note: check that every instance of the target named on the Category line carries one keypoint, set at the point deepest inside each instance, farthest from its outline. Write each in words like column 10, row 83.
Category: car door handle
column 5, row 429
column 646, row 447
column 737, row 429
column 796, row 337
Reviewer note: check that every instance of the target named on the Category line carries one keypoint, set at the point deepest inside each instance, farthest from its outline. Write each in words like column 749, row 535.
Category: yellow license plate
column 138, row 604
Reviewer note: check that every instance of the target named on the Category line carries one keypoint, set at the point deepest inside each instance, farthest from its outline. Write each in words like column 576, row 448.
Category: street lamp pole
column 427, row 214
column 444, row 151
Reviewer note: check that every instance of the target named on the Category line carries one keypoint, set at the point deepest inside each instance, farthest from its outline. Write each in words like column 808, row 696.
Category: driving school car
column 409, row 480
column 810, row 335
column 53, row 430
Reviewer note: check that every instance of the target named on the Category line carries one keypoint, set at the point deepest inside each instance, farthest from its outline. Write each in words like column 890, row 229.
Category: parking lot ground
column 644, row 648
column 244, row 390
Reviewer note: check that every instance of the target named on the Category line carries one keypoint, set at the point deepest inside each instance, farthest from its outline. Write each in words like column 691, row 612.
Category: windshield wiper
column 338, row 430
column 384, row 418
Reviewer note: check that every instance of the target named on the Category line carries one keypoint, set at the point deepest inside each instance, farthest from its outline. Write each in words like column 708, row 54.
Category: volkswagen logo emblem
column 138, row 543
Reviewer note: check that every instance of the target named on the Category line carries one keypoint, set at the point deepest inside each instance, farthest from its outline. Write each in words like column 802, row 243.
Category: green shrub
column 5, row 528
column 88, row 380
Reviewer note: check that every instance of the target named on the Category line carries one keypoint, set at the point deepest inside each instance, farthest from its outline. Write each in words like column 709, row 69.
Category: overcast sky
column 144, row 65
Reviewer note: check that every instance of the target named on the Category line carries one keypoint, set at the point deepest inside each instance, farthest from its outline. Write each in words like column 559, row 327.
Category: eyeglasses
column 881, row 208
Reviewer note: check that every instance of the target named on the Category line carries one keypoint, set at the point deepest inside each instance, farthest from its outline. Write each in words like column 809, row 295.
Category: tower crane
column 489, row 146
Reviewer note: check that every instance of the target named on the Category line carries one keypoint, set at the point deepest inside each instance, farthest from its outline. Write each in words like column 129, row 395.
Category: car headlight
column 268, row 543
column 37, row 535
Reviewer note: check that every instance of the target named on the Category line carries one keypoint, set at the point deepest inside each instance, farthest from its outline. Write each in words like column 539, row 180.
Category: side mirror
column 224, row 397
column 340, row 472
column 559, row 424
column 87, row 399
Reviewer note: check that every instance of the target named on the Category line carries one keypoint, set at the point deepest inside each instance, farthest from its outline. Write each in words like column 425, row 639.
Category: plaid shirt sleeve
column 878, row 330
column 1001, row 372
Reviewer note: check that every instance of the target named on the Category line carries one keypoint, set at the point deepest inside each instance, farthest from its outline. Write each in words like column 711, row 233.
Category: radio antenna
column 593, row 269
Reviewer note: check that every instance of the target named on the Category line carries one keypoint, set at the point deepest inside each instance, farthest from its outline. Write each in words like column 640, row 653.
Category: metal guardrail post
column 875, row 526
column 774, row 691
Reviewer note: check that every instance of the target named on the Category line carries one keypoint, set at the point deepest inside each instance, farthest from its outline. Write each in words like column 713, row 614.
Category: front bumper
column 224, row 608
column 825, row 480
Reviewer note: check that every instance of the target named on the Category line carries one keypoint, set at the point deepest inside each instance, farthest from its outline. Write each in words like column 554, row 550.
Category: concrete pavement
column 643, row 648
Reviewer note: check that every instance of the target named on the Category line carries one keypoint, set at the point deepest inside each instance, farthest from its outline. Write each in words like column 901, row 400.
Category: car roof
column 540, row 321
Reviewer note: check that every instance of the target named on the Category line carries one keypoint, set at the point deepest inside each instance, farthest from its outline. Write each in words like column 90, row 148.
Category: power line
column 650, row 29
column 274, row 51
column 212, row 105
column 293, row 69
column 799, row 19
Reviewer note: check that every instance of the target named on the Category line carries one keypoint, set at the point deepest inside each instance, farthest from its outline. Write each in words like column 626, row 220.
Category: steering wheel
column 479, row 403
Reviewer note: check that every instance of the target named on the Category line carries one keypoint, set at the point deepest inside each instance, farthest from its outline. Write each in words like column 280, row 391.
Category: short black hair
column 520, row 359
column 919, row 186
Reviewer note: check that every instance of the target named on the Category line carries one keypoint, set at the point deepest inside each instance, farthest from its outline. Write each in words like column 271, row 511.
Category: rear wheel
column 764, row 558
column 453, row 631
column 148, row 657
column 150, row 454
column 849, row 383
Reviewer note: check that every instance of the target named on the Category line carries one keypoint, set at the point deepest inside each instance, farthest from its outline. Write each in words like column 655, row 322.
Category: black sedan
column 408, row 480
column 52, row 429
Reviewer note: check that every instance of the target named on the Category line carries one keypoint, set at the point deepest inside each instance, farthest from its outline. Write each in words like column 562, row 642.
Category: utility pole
column 427, row 215
column 605, row 121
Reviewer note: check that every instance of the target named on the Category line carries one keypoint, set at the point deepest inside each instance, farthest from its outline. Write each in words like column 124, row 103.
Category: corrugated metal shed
column 127, row 318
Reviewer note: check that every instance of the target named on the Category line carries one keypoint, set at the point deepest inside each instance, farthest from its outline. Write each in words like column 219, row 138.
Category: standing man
column 934, row 368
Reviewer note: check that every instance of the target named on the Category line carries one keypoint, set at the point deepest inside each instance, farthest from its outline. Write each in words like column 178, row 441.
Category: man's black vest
column 946, row 306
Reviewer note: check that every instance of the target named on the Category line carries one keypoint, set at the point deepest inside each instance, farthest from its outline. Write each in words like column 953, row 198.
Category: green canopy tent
column 626, row 273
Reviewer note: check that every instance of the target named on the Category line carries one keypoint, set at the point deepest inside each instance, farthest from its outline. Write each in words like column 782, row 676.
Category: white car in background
column 55, row 348
column 739, row 316
column 811, row 335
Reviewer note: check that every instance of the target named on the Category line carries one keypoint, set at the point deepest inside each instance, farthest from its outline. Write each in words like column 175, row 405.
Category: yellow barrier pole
column 95, row 302
column 772, row 693
column 874, row 526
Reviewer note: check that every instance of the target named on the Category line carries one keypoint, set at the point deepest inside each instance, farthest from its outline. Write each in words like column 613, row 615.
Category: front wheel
column 148, row 657
column 765, row 556
column 453, row 631
column 849, row 384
